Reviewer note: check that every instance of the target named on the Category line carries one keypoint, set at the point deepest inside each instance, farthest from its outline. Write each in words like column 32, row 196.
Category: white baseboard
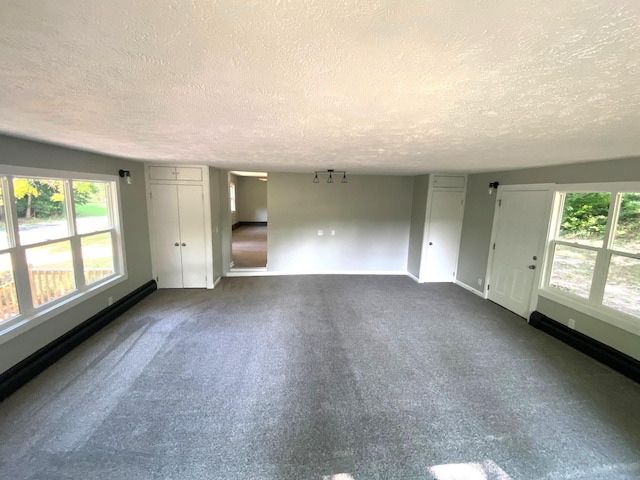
column 217, row 282
column 413, row 277
column 254, row 272
column 471, row 289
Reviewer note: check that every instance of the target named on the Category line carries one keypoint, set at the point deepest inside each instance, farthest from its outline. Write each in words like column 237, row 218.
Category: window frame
column 592, row 306
column 31, row 316
column 232, row 197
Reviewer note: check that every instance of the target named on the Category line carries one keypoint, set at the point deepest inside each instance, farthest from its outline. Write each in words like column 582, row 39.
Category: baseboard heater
column 603, row 353
column 21, row 373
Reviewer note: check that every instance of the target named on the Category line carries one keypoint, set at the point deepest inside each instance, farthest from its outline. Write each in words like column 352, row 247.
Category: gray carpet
column 318, row 376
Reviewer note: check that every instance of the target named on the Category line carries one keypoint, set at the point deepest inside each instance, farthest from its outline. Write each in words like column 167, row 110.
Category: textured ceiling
column 368, row 86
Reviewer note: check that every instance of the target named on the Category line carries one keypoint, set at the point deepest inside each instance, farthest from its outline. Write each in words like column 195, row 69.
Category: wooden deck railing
column 46, row 285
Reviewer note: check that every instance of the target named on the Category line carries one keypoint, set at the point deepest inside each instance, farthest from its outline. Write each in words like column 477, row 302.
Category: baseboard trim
column 467, row 287
column 611, row 357
column 277, row 273
column 21, row 373
column 217, row 282
column 413, row 277
column 235, row 225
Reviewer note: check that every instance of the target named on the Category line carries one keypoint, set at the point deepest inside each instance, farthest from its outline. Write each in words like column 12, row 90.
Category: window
column 59, row 240
column 594, row 250
column 232, row 196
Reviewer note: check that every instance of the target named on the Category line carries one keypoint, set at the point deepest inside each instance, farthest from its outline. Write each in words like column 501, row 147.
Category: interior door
column 166, row 230
column 192, row 236
column 521, row 228
column 443, row 242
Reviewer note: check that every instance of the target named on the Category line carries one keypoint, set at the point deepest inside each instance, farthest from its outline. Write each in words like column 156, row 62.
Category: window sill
column 607, row 315
column 16, row 326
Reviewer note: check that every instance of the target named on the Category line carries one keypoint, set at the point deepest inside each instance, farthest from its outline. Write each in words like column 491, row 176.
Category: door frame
column 544, row 229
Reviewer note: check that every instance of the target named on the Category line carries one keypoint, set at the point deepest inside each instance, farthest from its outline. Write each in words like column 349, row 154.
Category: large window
column 594, row 252
column 59, row 239
column 232, row 197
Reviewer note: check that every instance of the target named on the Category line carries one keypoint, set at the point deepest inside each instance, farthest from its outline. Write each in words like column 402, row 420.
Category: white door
column 166, row 230
column 192, row 236
column 443, row 242
column 521, row 228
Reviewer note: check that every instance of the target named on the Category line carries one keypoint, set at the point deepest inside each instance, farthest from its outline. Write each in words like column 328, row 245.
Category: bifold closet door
column 192, row 236
column 166, row 229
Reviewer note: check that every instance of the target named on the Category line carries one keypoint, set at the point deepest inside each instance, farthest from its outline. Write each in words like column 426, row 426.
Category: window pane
column 50, row 271
column 41, row 210
column 627, row 234
column 8, row 299
column 584, row 218
column 572, row 270
column 4, row 238
column 622, row 291
column 90, row 202
column 97, row 254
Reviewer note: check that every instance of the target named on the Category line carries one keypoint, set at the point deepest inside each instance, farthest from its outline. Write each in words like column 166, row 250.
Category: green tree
column 38, row 198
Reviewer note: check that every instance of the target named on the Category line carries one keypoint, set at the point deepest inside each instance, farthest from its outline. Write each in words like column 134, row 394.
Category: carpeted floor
column 322, row 377
column 249, row 246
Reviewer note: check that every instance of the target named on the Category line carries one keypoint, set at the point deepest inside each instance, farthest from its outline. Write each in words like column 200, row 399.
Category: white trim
column 471, row 289
column 274, row 273
column 530, row 187
column 413, row 277
column 217, row 282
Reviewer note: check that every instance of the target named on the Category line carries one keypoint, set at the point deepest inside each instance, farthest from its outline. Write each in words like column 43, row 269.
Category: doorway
column 249, row 220
column 519, row 232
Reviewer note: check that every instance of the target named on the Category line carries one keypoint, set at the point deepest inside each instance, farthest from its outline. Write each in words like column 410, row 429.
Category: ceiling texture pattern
column 393, row 86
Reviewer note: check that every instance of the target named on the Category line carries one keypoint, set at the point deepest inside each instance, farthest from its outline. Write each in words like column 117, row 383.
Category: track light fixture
column 492, row 186
column 330, row 179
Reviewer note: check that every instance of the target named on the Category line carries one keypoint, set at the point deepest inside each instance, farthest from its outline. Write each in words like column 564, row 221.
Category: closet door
column 166, row 223
column 192, row 236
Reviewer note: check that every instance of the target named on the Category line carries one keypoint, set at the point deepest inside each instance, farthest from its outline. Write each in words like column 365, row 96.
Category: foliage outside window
column 594, row 253
column 59, row 237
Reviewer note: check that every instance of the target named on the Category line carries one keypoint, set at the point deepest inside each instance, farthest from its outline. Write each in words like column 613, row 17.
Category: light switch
column 333, row 232
column 320, row 232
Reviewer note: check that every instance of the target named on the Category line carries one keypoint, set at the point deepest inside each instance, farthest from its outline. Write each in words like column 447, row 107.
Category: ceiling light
column 330, row 179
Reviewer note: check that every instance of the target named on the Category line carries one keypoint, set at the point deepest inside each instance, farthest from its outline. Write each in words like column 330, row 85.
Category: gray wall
column 478, row 220
column 371, row 216
column 418, row 214
column 135, row 229
column 225, row 220
column 234, row 215
column 252, row 199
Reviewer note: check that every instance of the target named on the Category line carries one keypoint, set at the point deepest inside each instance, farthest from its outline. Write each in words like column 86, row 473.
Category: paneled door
column 443, row 239
column 523, row 217
column 179, row 235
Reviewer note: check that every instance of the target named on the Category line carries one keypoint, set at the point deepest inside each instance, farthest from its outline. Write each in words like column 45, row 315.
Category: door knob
column 430, row 243
column 177, row 244
column 184, row 244
column 532, row 267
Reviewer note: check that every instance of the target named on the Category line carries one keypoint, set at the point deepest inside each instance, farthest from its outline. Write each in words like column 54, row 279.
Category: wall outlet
column 110, row 300
column 572, row 323
column 480, row 281
column 320, row 233
column 333, row 232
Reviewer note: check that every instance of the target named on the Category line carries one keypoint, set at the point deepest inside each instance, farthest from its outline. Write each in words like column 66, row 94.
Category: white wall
column 135, row 231
column 371, row 216
column 251, row 199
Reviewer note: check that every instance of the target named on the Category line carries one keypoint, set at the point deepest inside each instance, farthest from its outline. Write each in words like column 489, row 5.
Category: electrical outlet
column 333, row 232
column 572, row 323
column 110, row 301
column 320, row 233
column 480, row 281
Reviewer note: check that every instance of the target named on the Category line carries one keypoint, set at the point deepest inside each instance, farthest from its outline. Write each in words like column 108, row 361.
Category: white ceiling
column 368, row 86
